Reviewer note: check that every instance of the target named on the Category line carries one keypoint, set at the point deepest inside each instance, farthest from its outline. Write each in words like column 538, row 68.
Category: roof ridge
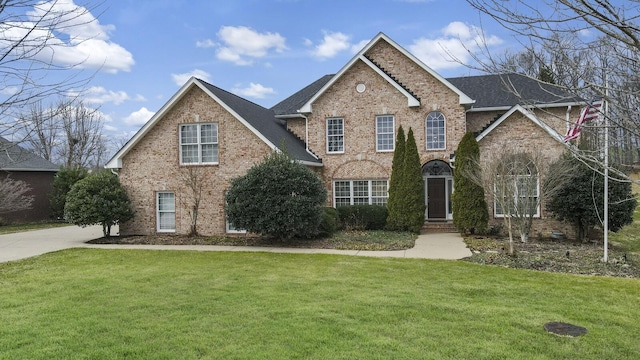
column 230, row 93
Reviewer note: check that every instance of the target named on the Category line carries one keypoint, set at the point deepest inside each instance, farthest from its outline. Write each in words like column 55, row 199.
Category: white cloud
column 139, row 117
column 100, row 95
column 242, row 44
column 207, row 43
column 254, row 91
column 355, row 48
column 110, row 128
column 454, row 47
column 10, row 90
column 332, row 44
column 181, row 79
column 75, row 39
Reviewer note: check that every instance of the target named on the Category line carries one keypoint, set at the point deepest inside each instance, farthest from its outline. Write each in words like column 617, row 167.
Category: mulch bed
column 216, row 240
column 553, row 255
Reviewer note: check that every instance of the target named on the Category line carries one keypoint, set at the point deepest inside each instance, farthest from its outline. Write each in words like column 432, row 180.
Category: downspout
column 114, row 172
column 306, row 136
column 568, row 119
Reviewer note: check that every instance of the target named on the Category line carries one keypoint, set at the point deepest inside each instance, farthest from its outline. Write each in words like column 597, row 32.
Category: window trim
column 199, row 143
column 370, row 196
column 393, row 133
column 158, row 212
column 515, row 178
column 444, row 130
column 327, row 135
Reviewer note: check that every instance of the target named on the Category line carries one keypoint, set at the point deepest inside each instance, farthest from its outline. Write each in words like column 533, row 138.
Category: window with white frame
column 360, row 192
column 230, row 228
column 166, row 211
column 517, row 195
column 384, row 133
column 335, row 135
column 435, row 128
column 199, row 143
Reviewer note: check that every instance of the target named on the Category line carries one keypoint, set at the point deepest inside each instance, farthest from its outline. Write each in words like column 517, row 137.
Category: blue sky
column 143, row 50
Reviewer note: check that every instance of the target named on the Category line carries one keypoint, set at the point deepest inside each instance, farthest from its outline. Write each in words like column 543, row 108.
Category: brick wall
column 153, row 165
column 518, row 134
column 360, row 159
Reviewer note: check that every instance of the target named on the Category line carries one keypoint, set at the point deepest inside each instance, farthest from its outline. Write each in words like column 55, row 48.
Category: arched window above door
column 436, row 168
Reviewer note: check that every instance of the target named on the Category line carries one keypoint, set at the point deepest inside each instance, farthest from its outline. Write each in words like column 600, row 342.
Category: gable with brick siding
column 342, row 125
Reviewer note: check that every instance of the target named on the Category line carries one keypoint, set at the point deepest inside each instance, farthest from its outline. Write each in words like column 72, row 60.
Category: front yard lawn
column 94, row 303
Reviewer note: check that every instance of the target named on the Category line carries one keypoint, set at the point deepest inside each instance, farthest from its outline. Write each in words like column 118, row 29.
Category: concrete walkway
column 32, row 243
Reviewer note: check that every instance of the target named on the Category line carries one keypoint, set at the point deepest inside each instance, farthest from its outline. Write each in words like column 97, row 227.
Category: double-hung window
column 360, row 192
column 384, row 133
column 199, row 143
column 435, row 128
column 517, row 195
column 335, row 135
column 165, row 211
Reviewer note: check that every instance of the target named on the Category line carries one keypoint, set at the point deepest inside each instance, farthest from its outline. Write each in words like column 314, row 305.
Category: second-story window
column 384, row 133
column 335, row 135
column 435, row 127
column 199, row 143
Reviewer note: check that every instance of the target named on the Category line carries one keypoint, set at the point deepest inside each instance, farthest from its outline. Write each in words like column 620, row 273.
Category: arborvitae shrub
column 470, row 213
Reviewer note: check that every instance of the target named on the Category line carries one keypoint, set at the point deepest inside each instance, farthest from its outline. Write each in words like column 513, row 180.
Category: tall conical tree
column 412, row 186
column 470, row 212
column 394, row 219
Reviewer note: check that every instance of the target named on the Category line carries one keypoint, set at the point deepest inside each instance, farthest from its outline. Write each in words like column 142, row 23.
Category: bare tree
column 518, row 181
column 14, row 195
column 592, row 48
column 193, row 178
column 28, row 72
column 68, row 133
column 40, row 130
column 82, row 133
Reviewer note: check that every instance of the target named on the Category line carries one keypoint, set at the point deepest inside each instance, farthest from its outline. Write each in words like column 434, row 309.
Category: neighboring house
column 343, row 126
column 21, row 164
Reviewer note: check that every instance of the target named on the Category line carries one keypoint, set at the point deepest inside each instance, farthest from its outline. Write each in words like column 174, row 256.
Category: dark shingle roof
column 16, row 158
column 293, row 103
column 264, row 121
column 507, row 90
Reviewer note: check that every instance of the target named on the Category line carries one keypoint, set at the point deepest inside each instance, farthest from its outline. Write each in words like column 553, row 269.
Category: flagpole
column 606, row 172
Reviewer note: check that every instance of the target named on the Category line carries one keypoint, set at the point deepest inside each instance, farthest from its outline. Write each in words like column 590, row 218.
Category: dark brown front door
column 437, row 200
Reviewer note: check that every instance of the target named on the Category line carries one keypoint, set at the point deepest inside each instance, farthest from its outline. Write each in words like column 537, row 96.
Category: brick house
column 20, row 164
column 343, row 126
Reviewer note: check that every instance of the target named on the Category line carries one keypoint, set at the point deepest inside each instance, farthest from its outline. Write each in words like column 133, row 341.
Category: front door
column 436, row 198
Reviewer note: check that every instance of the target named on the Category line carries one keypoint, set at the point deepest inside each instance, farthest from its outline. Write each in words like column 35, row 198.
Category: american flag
column 590, row 112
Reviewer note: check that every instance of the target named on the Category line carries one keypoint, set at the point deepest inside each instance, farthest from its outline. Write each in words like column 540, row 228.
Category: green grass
column 628, row 237
column 9, row 229
column 111, row 304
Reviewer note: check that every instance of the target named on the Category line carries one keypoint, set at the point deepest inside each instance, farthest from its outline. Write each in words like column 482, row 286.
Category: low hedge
column 362, row 217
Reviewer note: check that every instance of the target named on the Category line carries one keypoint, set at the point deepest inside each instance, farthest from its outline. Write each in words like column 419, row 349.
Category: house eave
column 463, row 99
column 29, row 169
column 529, row 106
column 528, row 114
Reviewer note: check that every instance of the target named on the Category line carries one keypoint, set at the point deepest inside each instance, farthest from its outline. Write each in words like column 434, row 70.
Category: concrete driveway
column 32, row 243
column 22, row 245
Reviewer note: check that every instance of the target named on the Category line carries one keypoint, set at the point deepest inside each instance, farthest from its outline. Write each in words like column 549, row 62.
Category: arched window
column 436, row 168
column 435, row 126
column 517, row 187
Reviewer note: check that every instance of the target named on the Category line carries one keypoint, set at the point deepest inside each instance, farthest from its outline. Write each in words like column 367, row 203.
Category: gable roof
column 501, row 92
column 529, row 115
column 15, row 158
column 257, row 119
column 294, row 102
column 360, row 56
